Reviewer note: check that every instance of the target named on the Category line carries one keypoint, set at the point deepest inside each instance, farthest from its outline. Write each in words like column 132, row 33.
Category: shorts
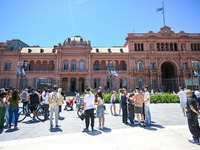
column 183, row 104
column 100, row 111
column 138, row 110
column 33, row 107
column 112, row 102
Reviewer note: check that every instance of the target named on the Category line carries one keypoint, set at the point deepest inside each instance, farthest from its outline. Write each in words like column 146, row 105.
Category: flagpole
column 163, row 13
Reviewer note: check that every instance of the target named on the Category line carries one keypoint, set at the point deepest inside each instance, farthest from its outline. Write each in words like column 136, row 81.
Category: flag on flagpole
column 23, row 72
column 160, row 9
column 18, row 71
column 115, row 73
column 196, row 74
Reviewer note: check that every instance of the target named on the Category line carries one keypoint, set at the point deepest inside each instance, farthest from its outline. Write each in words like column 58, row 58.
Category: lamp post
column 110, row 67
column 21, row 65
column 196, row 66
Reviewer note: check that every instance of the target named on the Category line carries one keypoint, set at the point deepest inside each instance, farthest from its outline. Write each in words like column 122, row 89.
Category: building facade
column 161, row 60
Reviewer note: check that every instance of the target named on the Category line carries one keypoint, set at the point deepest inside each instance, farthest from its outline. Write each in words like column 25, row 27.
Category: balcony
column 70, row 71
column 39, row 72
column 106, row 72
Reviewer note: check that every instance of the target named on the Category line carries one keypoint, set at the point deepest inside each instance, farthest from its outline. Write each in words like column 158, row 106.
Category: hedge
column 155, row 98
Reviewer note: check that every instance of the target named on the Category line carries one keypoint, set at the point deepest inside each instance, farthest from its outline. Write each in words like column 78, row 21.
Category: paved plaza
column 169, row 131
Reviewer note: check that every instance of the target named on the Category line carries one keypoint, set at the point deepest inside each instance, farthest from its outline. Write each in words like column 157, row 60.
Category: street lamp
column 21, row 65
column 110, row 67
column 196, row 66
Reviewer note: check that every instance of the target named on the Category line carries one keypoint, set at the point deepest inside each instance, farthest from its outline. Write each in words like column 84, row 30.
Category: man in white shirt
column 147, row 104
column 89, row 101
column 183, row 99
column 197, row 93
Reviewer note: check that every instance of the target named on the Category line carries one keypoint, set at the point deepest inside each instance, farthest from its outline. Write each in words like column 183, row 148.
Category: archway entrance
column 168, row 77
column 72, row 84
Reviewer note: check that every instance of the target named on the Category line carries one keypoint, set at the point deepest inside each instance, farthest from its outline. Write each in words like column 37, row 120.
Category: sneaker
column 15, row 126
column 85, row 129
column 51, row 126
column 92, row 128
column 193, row 141
column 140, row 124
column 9, row 127
column 99, row 127
column 102, row 127
column 57, row 126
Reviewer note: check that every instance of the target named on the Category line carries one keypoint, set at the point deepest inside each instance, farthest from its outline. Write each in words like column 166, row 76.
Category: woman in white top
column 112, row 102
column 45, row 96
column 100, row 110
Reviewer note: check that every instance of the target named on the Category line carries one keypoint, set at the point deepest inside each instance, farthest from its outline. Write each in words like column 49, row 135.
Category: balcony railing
column 39, row 72
column 73, row 71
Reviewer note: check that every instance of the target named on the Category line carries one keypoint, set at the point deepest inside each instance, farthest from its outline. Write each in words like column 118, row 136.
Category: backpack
column 24, row 95
column 53, row 101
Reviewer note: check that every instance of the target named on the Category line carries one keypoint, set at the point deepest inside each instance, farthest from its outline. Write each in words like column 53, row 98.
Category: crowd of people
column 131, row 103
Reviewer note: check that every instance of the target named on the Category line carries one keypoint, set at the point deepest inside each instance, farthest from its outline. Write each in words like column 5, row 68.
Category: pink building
column 160, row 60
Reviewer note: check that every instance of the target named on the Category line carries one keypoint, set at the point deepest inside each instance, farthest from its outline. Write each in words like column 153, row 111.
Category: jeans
column 15, row 112
column 124, row 115
column 7, row 114
column 89, row 114
column 147, row 115
column 194, row 127
column 198, row 103
column 131, row 113
column 54, row 110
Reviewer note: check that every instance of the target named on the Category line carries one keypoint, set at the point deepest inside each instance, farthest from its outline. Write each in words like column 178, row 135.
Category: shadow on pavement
column 11, row 130
column 61, row 118
column 93, row 133
column 106, row 130
column 55, row 130
column 31, row 121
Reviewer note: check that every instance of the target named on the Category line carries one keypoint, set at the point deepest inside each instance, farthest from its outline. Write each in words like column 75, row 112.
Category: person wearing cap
column 99, row 90
column 147, row 104
column 181, row 94
column 138, row 101
column 192, row 117
column 88, row 111
column 124, row 105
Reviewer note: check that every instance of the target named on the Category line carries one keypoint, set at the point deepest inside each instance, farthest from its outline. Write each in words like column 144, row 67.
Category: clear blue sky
column 103, row 22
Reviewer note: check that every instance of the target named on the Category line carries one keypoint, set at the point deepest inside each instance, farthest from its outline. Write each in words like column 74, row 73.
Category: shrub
column 155, row 98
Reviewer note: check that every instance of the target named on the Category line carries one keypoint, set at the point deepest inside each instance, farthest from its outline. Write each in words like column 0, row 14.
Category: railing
column 71, row 71
column 39, row 72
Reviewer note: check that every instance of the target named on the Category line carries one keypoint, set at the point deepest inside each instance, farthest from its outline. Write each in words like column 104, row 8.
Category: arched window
column 171, row 47
column 140, row 83
column 192, row 47
column 122, row 83
column 7, row 66
column 195, row 47
column 175, row 47
column 139, row 65
column 82, row 65
column 158, row 46
column 6, row 83
column 65, row 65
column 135, row 47
column 73, row 65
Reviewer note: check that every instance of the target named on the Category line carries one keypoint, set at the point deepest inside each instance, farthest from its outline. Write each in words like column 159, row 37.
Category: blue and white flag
column 19, row 72
column 160, row 9
column 196, row 74
column 115, row 73
column 23, row 72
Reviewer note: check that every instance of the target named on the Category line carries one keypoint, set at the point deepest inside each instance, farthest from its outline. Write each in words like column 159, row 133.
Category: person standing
column 197, row 93
column 147, row 105
column 100, row 110
column 181, row 94
column 131, row 108
column 45, row 96
column 23, row 96
column 61, row 101
column 120, row 102
column 2, row 108
column 89, row 101
column 112, row 103
column 14, row 107
column 138, row 101
column 192, row 117
column 124, row 106
column 34, row 99
column 77, row 98
column 54, row 101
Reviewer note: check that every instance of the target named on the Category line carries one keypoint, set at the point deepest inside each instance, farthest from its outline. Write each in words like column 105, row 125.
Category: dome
column 77, row 38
